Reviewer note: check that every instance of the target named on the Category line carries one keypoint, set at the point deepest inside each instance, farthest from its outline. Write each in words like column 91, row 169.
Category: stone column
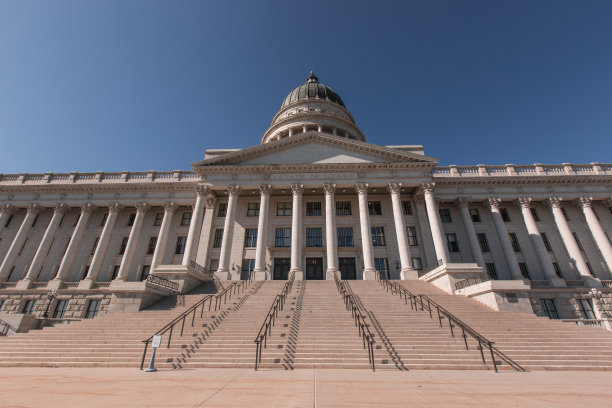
column 162, row 237
column 130, row 248
column 296, row 231
column 262, row 232
column 195, row 225
column 75, row 243
column 471, row 232
column 601, row 239
column 369, row 269
column 434, row 223
column 538, row 244
column 567, row 237
column 105, row 237
column 331, row 240
column 228, row 231
column 6, row 211
column 504, row 239
column 45, row 244
column 13, row 252
column 407, row 271
column 204, row 243
column 429, row 252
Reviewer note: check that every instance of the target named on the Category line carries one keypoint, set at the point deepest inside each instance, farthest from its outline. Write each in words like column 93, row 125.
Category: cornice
column 70, row 188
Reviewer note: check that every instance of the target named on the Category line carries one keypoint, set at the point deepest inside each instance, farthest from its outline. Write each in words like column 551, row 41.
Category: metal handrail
column 218, row 298
column 266, row 328
column 428, row 304
column 5, row 327
column 358, row 312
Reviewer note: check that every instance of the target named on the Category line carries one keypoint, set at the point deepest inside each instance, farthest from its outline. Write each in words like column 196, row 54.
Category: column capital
column 210, row 202
column 142, row 207
column 584, row 201
column 428, row 188
column 524, row 202
column 329, row 188
column 297, row 189
column 169, row 207
column 35, row 208
column 87, row 208
column 361, row 188
column 202, row 191
column 394, row 188
column 494, row 202
column 233, row 190
column 265, row 189
column 7, row 209
column 554, row 202
column 463, row 202
column 114, row 207
column 61, row 208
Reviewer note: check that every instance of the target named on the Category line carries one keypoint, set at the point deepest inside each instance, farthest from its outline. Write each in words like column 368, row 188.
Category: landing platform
column 127, row 387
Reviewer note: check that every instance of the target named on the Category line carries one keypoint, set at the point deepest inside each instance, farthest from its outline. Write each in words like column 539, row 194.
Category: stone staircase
column 536, row 343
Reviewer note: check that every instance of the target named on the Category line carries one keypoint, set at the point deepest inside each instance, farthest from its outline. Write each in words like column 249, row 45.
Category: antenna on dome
column 312, row 78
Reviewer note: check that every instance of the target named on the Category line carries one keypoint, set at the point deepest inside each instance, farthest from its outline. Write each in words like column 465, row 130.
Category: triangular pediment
column 313, row 149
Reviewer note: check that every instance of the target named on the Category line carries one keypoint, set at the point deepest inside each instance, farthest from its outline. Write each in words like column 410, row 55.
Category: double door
column 347, row 267
column 314, row 269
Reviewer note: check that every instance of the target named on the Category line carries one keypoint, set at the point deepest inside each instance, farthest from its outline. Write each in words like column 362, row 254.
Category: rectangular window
column 283, row 238
column 248, row 265
column 374, row 208
column 93, row 308
column 412, row 236
column 586, row 309
column 378, row 236
column 504, row 214
column 124, row 243
column 218, row 238
column 250, row 238
column 382, row 266
column 535, row 214
column 152, row 245
column 491, row 270
column 451, row 243
column 524, row 270
column 548, row 306
column 345, row 237
column 180, row 245
column 578, row 241
column 28, row 307
column 514, row 241
column 214, row 264
column 313, row 208
column 564, row 211
column 60, row 308
column 252, row 209
column 283, row 209
column 95, row 245
column 474, row 214
column 557, row 269
column 406, row 207
column 445, row 215
column 482, row 241
column 314, row 237
column 546, row 241
column 343, row 208
column 115, row 271
column 131, row 219
column 159, row 218
column 417, row 264
column 222, row 211
column 186, row 218
column 104, row 217
column 146, row 270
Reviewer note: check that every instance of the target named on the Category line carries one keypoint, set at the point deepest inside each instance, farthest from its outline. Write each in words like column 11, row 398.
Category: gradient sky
column 140, row 85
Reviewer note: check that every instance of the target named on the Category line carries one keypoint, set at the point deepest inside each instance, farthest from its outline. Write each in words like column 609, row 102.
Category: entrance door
column 281, row 268
column 314, row 268
column 347, row 268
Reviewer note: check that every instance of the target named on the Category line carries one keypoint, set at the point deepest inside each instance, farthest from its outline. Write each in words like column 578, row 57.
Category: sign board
column 156, row 342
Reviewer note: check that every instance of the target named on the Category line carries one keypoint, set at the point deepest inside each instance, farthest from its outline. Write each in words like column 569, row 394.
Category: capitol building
column 313, row 199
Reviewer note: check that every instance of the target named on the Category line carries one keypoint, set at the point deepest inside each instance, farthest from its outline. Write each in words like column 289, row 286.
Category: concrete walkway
column 122, row 387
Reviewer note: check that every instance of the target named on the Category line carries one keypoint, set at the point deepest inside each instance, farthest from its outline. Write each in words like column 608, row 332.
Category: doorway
column 347, row 268
column 314, row 268
column 281, row 268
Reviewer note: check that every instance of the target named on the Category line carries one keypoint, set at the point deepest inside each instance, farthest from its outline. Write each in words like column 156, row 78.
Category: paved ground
column 108, row 387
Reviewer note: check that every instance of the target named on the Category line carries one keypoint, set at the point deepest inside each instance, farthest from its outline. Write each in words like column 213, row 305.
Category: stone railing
column 606, row 283
column 537, row 169
column 574, row 283
column 539, row 283
column 70, row 285
column 99, row 177
column 600, row 323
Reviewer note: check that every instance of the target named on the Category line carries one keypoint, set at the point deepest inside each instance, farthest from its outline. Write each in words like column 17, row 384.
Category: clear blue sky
column 139, row 85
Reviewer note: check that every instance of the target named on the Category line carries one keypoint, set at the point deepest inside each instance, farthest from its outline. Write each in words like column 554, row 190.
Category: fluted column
column 162, row 237
column 567, row 237
column 407, row 271
column 434, row 223
column 130, row 248
column 205, row 231
column 596, row 230
column 228, row 231
column 262, row 232
column 13, row 252
column 195, row 225
column 296, row 231
column 45, row 243
column 330, row 231
column 105, row 237
column 504, row 239
column 471, row 232
column 6, row 211
column 369, row 269
column 75, row 242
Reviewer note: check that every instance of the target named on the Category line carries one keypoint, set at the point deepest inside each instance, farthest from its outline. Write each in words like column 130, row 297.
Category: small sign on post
column 155, row 344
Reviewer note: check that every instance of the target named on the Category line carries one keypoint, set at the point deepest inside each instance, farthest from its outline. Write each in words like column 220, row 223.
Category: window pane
column 343, row 208
column 378, row 236
column 313, row 208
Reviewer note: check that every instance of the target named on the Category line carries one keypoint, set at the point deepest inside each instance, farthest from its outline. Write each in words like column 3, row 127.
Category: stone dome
column 312, row 89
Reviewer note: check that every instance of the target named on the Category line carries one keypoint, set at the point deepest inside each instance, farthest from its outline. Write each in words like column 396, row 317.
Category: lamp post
column 52, row 294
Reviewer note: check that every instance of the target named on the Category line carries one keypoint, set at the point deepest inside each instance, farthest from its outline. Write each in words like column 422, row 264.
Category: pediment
column 313, row 149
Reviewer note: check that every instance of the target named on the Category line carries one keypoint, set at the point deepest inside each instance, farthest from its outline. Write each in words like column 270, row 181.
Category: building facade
column 311, row 199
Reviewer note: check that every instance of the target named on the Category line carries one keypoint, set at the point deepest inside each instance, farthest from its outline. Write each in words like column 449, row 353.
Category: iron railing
column 219, row 299
column 163, row 282
column 358, row 312
column 427, row 304
column 5, row 327
column 261, row 341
